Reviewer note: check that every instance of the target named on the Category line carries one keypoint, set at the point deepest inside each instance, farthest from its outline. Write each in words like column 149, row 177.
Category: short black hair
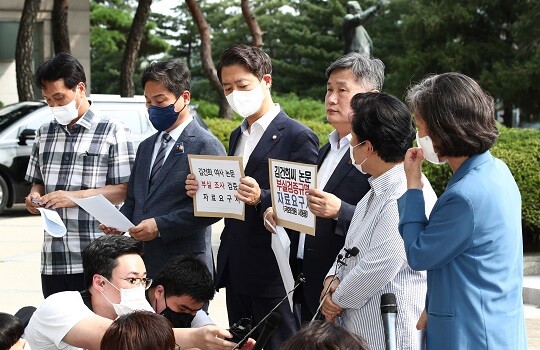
column 252, row 58
column 173, row 74
column 385, row 121
column 61, row 66
column 186, row 275
column 100, row 257
column 11, row 330
column 320, row 335
column 459, row 115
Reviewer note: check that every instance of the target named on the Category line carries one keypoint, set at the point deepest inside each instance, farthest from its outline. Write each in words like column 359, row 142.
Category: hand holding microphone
column 329, row 308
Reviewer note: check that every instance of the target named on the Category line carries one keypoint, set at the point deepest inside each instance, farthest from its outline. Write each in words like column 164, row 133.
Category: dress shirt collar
column 85, row 121
column 334, row 140
column 176, row 132
column 263, row 121
column 380, row 184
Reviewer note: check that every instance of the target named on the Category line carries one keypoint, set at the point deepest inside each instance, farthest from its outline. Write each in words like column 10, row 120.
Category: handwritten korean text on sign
column 218, row 179
column 290, row 183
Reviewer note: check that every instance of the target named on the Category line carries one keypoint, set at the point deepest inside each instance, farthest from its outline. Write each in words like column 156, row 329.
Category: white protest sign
column 218, row 178
column 289, row 184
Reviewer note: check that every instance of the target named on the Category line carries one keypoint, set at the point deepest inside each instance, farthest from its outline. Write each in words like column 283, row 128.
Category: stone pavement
column 20, row 245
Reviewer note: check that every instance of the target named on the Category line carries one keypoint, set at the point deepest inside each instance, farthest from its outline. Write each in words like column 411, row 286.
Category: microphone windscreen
column 388, row 303
column 354, row 251
column 273, row 321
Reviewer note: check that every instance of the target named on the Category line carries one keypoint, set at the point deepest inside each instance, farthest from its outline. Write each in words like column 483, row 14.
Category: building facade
column 10, row 15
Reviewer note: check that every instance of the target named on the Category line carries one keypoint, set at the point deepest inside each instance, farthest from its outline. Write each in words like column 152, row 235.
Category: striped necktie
column 160, row 158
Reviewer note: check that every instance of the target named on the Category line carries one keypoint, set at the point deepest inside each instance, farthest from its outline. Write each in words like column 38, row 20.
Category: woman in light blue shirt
column 471, row 245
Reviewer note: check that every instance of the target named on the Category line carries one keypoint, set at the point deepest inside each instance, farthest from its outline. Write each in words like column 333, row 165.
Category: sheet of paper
column 52, row 223
column 283, row 260
column 104, row 212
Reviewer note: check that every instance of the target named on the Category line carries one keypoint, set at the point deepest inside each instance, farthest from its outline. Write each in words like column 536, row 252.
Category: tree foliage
column 110, row 22
column 494, row 41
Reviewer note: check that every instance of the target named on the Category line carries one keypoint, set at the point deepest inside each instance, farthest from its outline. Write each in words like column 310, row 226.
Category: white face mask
column 131, row 299
column 429, row 151
column 351, row 153
column 246, row 103
column 65, row 114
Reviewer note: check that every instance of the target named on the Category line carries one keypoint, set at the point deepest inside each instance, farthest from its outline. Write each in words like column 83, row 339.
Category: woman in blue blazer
column 471, row 246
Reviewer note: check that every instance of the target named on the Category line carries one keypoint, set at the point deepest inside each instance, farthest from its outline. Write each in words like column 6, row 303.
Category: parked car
column 19, row 122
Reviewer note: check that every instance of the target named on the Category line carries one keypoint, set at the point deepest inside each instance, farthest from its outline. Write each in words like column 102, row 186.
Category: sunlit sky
column 163, row 6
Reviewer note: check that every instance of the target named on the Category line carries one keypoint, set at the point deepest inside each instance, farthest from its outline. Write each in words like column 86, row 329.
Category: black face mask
column 178, row 319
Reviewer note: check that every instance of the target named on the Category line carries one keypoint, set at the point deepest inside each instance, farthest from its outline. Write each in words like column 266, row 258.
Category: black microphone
column 299, row 280
column 271, row 324
column 388, row 313
column 351, row 252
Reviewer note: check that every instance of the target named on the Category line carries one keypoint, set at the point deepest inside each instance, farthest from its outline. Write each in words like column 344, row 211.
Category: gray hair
column 368, row 71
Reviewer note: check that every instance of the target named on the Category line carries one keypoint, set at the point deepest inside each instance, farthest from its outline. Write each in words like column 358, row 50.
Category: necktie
column 160, row 158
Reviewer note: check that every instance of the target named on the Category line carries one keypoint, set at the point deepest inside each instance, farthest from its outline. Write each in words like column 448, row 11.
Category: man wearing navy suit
column 246, row 264
column 339, row 185
column 156, row 201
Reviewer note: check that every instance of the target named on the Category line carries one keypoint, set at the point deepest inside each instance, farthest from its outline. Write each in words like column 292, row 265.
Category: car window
column 131, row 114
column 42, row 116
column 10, row 114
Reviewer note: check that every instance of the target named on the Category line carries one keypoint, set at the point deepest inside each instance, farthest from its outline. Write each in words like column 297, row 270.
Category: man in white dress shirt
column 382, row 132
column 339, row 185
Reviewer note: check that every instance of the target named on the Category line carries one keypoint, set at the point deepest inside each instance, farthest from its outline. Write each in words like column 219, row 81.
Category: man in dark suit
column 156, row 201
column 246, row 264
column 339, row 185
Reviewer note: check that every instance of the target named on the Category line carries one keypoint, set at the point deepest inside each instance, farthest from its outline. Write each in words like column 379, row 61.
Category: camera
column 239, row 330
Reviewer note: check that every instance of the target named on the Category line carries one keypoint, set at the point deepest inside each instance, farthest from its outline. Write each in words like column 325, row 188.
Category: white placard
column 218, row 178
column 289, row 184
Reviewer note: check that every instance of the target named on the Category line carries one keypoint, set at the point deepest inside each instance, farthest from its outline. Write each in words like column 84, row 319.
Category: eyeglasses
column 358, row 144
column 145, row 282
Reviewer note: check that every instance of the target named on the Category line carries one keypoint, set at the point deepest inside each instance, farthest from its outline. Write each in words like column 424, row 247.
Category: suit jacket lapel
column 269, row 138
column 339, row 173
column 235, row 135
column 175, row 155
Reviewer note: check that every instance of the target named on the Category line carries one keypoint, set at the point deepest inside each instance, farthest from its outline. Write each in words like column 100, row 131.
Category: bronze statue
column 356, row 37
